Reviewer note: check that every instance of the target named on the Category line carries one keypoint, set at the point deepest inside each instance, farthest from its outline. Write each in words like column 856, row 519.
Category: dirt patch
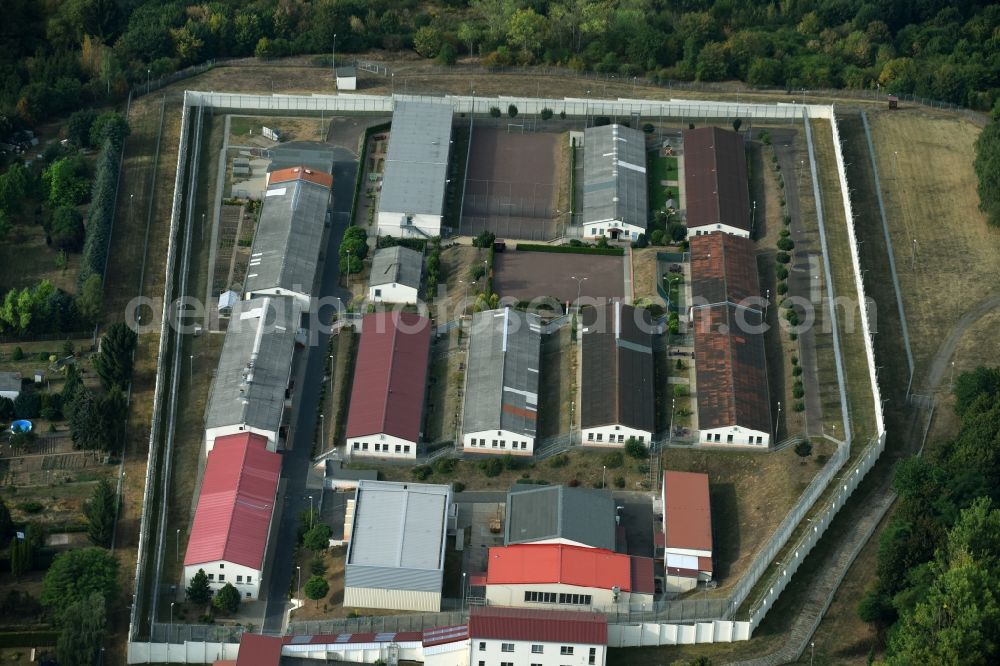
column 246, row 130
column 644, row 276
column 447, row 383
column 557, row 386
column 511, row 184
column 459, row 291
column 528, row 275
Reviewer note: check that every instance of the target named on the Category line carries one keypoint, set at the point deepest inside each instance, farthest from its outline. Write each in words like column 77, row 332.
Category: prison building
column 501, row 396
column 687, row 530
column 556, row 576
column 533, row 636
column 617, row 391
column 614, row 182
column 730, row 363
column 395, row 554
column 411, row 202
column 717, row 195
column 286, row 247
column 395, row 275
column 390, row 384
column 561, row 515
column 232, row 521
column 251, row 391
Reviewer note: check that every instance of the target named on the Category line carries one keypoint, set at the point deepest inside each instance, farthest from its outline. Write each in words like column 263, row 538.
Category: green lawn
column 661, row 168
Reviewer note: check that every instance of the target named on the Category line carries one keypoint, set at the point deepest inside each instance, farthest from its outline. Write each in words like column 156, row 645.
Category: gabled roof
column 617, row 373
column 731, row 368
column 543, row 626
column 537, row 513
column 390, row 376
column 502, row 378
column 416, row 164
column 715, row 179
column 687, row 511
column 723, row 268
column 236, row 503
column 614, row 175
column 396, row 265
column 286, row 247
column 567, row 565
column 252, row 375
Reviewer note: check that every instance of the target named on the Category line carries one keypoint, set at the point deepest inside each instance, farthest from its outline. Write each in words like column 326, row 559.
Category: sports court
column 511, row 184
column 528, row 275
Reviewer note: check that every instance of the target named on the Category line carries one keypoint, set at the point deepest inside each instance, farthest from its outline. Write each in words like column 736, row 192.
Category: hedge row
column 358, row 184
column 102, row 211
column 569, row 249
column 28, row 639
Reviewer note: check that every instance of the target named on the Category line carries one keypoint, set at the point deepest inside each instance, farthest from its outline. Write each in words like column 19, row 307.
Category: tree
column 447, row 54
column 495, row 112
column 66, row 229
column 90, row 301
column 484, row 240
column 114, row 362
column 318, row 537
column 987, row 165
column 227, row 599
column 100, row 512
column 635, row 449
column 427, row 41
column 85, row 421
column 78, row 126
column 468, row 34
column 22, row 441
column 525, row 31
column 15, row 185
column 6, row 524
column 114, row 414
column 27, row 405
column 711, row 65
column 199, row 591
column 545, row 113
column 512, row 111
column 6, row 408
column 109, row 126
column 737, row 123
column 75, row 575
column 67, row 183
column 84, row 628
column 317, row 588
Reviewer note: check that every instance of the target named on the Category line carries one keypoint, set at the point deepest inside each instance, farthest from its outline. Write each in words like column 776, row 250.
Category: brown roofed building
column 717, row 197
column 390, row 382
column 723, row 268
column 617, row 394
column 687, row 526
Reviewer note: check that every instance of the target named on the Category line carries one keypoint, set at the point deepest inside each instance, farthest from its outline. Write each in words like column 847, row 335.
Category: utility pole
column 333, row 57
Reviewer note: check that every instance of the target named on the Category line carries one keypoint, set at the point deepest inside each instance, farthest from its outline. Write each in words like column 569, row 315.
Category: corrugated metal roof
column 543, row 626
column 731, row 368
column 390, row 376
column 614, row 175
column 236, row 502
column 557, row 563
column 416, row 164
column 398, row 536
column 441, row 635
column 723, row 268
column 252, row 375
column 396, row 265
column 503, row 373
column 617, row 374
column 715, row 179
column 557, row 512
column 286, row 246
column 687, row 510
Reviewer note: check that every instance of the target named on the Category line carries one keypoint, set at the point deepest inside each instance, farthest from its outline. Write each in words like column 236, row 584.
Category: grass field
column 661, row 168
column 557, row 384
column 25, row 260
column 242, row 128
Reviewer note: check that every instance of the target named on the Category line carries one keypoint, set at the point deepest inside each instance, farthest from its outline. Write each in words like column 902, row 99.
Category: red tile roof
column 558, row 563
column 300, row 173
column 544, row 626
column 236, row 502
column 258, row 650
column 642, row 575
column 687, row 511
column 715, row 179
column 390, row 376
column 723, row 268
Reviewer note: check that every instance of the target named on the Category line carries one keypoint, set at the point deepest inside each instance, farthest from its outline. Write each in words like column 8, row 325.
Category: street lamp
column 463, row 591
column 331, row 376
column 178, row 546
column 191, row 368
column 579, row 284
column 777, row 420
column 171, row 624
column 812, row 651
column 299, row 588
column 604, row 473
column 670, row 435
column 767, row 301
column 322, row 444
column 311, row 508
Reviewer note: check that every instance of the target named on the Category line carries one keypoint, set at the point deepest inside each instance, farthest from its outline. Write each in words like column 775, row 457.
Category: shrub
column 457, row 486
column 635, row 449
column 484, row 240
column 785, row 244
column 318, row 537
column 803, row 448
column 782, row 257
column 799, row 406
column 681, row 390
column 558, row 461
column 648, row 128
column 573, row 483
column 27, row 405
column 786, row 219
column 31, row 507
column 318, row 566
column 796, row 371
column 798, row 390
column 765, row 138
column 491, row 467
column 477, row 271
column 6, row 408
column 795, row 360
column 572, row 249
column 793, row 318
column 656, row 238
column 619, row 482
column 613, row 460
column 546, row 113
column 495, row 111
column 781, row 272
column 17, row 354
column 445, row 465
column 782, row 288
column 510, row 462
column 421, row 472
column 512, row 110
column 784, row 233
column 600, row 121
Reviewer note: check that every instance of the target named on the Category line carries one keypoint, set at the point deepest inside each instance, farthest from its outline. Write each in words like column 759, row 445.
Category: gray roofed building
column 503, row 373
column 396, row 265
column 310, row 154
column 10, row 384
column 557, row 513
column 416, row 167
column 248, row 393
column 397, row 541
column 614, row 177
column 289, row 235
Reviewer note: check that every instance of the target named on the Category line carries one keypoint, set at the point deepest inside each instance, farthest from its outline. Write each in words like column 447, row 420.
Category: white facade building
column 521, row 637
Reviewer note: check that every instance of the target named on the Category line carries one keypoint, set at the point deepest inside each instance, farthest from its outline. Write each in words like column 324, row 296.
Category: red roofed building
column 717, row 195
column 300, row 173
column 233, row 519
column 390, row 382
column 550, row 576
column 547, row 637
column 687, row 526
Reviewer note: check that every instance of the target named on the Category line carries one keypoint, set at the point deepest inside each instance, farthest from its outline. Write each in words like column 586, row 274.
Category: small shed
column 10, row 385
column 893, row 102
column 39, row 376
column 347, row 78
column 227, row 300
column 499, row 245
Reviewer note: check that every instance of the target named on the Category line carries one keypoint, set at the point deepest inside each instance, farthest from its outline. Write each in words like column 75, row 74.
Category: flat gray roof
column 416, row 164
column 396, row 265
column 502, row 378
column 10, row 381
column 556, row 512
column 287, row 243
column 310, row 154
column 614, row 175
column 398, row 536
column 256, row 360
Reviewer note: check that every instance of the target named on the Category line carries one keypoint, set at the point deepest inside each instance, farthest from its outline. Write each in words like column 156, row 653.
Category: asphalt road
column 295, row 465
